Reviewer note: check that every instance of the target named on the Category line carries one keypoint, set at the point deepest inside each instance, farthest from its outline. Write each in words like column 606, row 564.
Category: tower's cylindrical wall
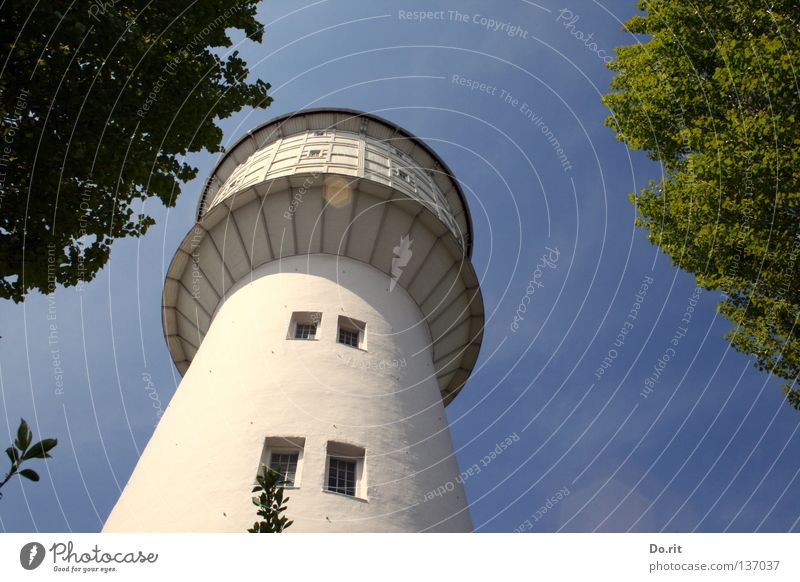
column 250, row 382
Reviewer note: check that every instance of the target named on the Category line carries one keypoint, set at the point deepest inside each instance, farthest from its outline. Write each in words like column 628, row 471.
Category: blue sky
column 707, row 449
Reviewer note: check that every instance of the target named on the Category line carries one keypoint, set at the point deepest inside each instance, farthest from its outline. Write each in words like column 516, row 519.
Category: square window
column 284, row 455
column 305, row 331
column 345, row 470
column 286, row 465
column 315, row 153
column 304, row 325
column 351, row 332
column 405, row 177
column 342, row 477
column 348, row 337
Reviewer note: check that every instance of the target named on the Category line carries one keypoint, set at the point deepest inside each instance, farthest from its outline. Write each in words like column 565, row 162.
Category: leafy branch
column 270, row 503
column 22, row 450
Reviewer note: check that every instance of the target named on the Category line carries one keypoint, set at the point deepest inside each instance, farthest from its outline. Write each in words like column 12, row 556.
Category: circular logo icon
column 31, row 555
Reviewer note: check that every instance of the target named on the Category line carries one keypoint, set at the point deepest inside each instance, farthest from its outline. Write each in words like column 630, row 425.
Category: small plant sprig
column 22, row 450
column 270, row 503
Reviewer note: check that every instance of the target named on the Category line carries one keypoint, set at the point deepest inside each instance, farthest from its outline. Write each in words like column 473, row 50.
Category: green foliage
column 270, row 503
column 101, row 102
column 22, row 451
column 714, row 95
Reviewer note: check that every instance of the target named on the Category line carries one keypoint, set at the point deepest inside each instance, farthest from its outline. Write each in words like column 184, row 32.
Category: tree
column 101, row 102
column 22, row 450
column 270, row 503
column 713, row 93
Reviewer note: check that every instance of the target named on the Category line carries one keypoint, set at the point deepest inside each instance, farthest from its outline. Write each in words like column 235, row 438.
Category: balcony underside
column 336, row 215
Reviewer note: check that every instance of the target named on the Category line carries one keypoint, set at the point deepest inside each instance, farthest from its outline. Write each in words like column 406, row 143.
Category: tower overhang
column 336, row 182
column 251, row 228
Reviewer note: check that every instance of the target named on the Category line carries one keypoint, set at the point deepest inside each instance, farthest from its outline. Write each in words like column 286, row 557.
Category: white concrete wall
column 248, row 382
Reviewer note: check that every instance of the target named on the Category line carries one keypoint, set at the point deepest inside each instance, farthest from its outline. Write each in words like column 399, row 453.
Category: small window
column 348, row 338
column 305, row 331
column 405, row 177
column 284, row 455
column 304, row 325
column 345, row 470
column 319, row 133
column 286, row 465
column 342, row 477
column 351, row 332
column 315, row 153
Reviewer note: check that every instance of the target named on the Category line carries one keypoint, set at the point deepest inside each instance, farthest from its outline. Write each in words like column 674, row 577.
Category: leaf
column 30, row 474
column 13, row 455
column 24, row 435
column 158, row 132
column 39, row 450
column 701, row 99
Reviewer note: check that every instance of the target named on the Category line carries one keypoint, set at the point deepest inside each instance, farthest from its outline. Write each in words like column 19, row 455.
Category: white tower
column 323, row 311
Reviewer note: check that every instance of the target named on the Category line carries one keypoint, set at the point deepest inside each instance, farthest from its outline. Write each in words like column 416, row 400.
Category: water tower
column 323, row 312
